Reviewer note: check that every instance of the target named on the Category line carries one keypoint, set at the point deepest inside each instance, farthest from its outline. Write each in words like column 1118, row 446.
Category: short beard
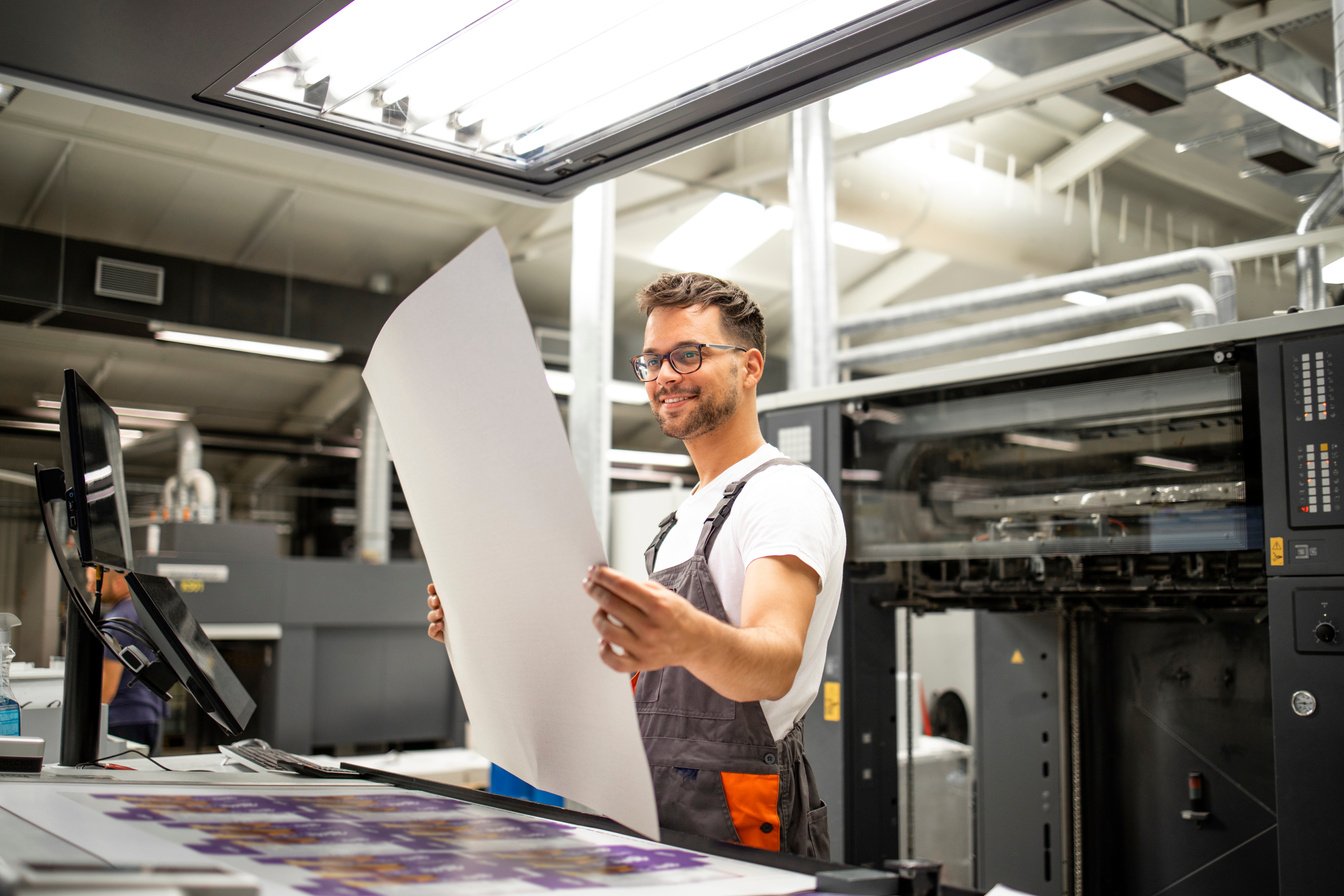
column 709, row 415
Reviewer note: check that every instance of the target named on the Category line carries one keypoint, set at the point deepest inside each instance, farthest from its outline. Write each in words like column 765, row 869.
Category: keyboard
column 260, row 756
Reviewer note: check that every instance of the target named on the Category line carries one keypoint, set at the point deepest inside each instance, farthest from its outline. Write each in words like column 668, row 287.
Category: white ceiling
column 1025, row 179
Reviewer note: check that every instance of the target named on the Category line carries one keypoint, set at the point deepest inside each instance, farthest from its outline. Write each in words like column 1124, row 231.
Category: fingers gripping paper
column 484, row 462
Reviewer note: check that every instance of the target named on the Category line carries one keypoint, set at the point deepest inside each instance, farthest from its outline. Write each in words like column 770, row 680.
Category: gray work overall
column 717, row 769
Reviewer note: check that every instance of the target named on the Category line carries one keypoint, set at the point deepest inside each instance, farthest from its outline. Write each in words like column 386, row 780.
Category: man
column 728, row 639
column 134, row 712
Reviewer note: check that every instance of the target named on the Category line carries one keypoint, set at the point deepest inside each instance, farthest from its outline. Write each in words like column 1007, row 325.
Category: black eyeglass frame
column 667, row 356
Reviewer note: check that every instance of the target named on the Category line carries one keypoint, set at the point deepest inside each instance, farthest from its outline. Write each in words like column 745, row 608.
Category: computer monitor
column 91, row 452
column 94, row 508
column 52, row 501
column 179, row 640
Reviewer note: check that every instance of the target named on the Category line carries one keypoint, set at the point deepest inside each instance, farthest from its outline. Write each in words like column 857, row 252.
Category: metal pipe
column 1222, row 288
column 812, row 196
column 1327, row 204
column 591, row 325
column 1182, row 296
column 373, row 491
column 1310, row 259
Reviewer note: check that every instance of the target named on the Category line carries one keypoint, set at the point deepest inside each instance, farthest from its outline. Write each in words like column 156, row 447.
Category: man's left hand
column 643, row 625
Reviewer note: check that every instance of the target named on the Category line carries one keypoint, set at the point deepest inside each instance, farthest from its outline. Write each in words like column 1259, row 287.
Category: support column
column 373, row 496
column 812, row 196
column 590, row 349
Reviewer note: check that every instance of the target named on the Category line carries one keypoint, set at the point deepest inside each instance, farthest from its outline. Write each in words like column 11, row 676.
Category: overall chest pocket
column 672, row 691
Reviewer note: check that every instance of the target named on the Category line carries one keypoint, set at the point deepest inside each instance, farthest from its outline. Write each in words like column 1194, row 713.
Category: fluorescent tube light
column 164, row 414
column 721, row 234
column 932, row 84
column 731, row 227
column 253, row 343
column 1083, row 297
column 1288, row 111
column 1033, row 441
column 862, row 239
column 1333, row 273
column 1166, row 463
column 561, row 382
column 647, row 458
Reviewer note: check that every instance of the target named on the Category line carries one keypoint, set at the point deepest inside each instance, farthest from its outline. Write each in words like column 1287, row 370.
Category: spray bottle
column 9, row 706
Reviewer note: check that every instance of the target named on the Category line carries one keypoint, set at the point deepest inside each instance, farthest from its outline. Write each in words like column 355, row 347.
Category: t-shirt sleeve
column 791, row 513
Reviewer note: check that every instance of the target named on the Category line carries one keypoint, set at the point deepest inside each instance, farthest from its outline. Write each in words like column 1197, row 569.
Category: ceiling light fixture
column 932, row 84
column 1028, row 440
column 721, row 234
column 252, row 343
column 635, row 458
column 507, row 93
column 1333, row 273
column 1288, row 111
column 561, row 382
column 732, row 226
column 163, row 414
column 1084, row 297
column 1166, row 463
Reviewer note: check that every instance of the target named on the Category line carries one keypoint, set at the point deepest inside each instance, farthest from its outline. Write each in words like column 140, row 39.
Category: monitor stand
column 82, row 701
column 81, row 706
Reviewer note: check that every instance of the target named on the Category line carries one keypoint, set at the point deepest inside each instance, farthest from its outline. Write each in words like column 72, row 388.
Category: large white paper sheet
column 490, row 482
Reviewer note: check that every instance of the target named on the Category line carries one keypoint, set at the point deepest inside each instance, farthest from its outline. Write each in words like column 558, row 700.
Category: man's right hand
column 435, row 614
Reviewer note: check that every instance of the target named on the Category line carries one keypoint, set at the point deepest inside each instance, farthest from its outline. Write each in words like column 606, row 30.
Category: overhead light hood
column 541, row 98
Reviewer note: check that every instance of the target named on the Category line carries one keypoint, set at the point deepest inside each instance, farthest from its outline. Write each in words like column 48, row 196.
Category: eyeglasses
column 683, row 358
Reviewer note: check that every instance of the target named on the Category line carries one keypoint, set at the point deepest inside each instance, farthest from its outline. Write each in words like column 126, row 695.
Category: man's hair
column 742, row 318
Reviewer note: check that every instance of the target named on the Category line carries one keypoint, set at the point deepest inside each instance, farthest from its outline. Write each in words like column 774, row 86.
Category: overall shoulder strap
column 714, row 522
column 651, row 552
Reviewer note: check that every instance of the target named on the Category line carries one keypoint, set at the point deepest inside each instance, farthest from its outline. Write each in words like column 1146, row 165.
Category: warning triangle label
column 1017, row 658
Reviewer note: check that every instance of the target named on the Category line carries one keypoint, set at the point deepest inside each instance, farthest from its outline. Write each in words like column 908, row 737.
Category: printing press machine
column 1151, row 539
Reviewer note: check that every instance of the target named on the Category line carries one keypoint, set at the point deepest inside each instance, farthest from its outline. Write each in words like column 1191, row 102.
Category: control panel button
column 1326, row 632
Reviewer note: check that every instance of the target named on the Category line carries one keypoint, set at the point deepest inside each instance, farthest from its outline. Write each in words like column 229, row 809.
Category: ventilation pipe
column 190, row 494
column 373, row 493
column 1327, row 204
column 1182, row 296
column 1222, row 290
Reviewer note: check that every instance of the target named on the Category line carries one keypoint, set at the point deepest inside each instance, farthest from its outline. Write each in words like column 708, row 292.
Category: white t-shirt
column 785, row 510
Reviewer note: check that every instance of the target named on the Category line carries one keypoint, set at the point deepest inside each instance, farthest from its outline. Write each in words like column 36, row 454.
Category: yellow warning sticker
column 1018, row 659
column 1276, row 551
column 830, row 701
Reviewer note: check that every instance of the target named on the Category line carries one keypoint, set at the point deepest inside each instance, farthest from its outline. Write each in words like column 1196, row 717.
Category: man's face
column 689, row 405
column 115, row 588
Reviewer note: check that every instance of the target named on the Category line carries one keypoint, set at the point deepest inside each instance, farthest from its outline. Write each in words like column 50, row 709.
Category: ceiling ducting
column 116, row 279
column 1149, row 90
column 1282, row 150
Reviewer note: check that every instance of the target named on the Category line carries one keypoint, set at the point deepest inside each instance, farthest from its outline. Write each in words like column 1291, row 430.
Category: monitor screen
column 91, row 450
column 178, row 638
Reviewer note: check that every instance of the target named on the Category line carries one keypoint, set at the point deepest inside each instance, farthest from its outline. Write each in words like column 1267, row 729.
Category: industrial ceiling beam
column 1059, row 79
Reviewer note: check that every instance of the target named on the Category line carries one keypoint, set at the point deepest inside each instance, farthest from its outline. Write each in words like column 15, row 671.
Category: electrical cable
column 97, row 763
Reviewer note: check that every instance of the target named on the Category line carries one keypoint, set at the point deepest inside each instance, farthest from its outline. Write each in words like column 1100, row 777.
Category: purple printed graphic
column 168, row 807
column 550, row 869
column 361, row 844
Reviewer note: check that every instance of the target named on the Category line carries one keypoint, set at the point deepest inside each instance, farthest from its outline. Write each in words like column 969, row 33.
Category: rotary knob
column 1326, row 632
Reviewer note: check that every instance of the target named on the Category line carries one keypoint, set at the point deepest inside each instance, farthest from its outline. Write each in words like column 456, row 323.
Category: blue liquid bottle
column 9, row 706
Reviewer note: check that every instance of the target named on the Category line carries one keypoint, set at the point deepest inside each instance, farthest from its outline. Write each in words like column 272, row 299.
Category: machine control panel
column 1318, row 620
column 1315, row 433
